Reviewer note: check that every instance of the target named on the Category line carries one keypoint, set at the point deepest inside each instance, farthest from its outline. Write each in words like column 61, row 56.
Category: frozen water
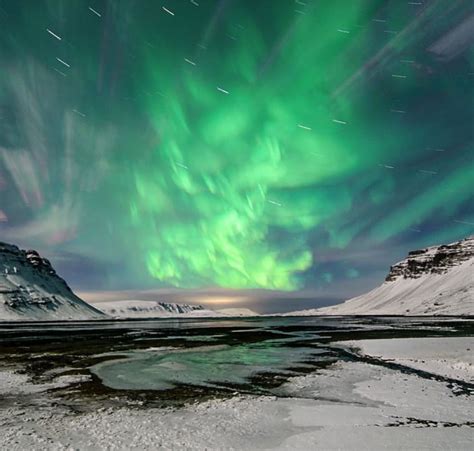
column 218, row 366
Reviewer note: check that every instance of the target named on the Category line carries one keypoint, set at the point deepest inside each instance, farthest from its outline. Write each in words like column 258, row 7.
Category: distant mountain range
column 437, row 280
column 154, row 309
column 30, row 290
column 148, row 309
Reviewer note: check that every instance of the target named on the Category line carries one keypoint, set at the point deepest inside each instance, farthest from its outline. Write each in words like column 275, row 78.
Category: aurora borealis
column 234, row 144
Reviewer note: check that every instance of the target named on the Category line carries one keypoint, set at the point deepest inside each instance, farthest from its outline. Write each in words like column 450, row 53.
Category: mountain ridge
column 156, row 309
column 30, row 289
column 149, row 309
column 436, row 280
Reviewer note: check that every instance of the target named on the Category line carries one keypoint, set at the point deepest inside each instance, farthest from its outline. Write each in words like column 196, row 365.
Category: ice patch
column 210, row 366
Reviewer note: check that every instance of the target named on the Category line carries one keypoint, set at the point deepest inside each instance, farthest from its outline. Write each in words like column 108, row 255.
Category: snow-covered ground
column 350, row 405
column 451, row 357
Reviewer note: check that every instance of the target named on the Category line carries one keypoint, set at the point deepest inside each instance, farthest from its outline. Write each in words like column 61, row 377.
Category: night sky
column 178, row 149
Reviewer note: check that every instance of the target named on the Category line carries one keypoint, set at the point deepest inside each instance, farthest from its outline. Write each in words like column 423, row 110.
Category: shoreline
column 358, row 402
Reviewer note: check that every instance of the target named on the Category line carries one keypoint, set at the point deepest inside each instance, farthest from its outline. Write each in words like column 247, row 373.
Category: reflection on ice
column 218, row 366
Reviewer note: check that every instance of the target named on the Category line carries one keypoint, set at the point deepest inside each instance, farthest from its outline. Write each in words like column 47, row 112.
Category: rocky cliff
column 432, row 260
column 30, row 289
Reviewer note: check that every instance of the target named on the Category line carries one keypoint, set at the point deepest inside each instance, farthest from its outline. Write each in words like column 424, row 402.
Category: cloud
column 50, row 157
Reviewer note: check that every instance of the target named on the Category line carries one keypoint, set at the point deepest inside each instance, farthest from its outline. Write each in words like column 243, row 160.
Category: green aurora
column 227, row 144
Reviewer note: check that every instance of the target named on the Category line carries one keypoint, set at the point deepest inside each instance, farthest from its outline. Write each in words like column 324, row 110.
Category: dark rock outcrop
column 432, row 260
column 30, row 289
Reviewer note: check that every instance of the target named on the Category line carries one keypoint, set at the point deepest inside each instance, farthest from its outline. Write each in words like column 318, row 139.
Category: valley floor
column 356, row 405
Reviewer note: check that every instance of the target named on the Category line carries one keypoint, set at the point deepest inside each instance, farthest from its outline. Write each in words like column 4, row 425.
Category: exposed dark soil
column 44, row 353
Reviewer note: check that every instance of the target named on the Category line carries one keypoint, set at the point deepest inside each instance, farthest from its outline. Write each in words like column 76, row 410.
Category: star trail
column 234, row 143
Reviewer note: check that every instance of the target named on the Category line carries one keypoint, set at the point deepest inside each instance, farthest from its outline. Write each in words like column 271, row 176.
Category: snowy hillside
column 150, row 309
column 438, row 280
column 155, row 309
column 30, row 289
column 237, row 311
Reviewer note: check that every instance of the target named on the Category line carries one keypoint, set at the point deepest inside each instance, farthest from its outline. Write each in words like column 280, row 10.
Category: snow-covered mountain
column 150, row 309
column 30, row 289
column 155, row 309
column 237, row 311
column 438, row 280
